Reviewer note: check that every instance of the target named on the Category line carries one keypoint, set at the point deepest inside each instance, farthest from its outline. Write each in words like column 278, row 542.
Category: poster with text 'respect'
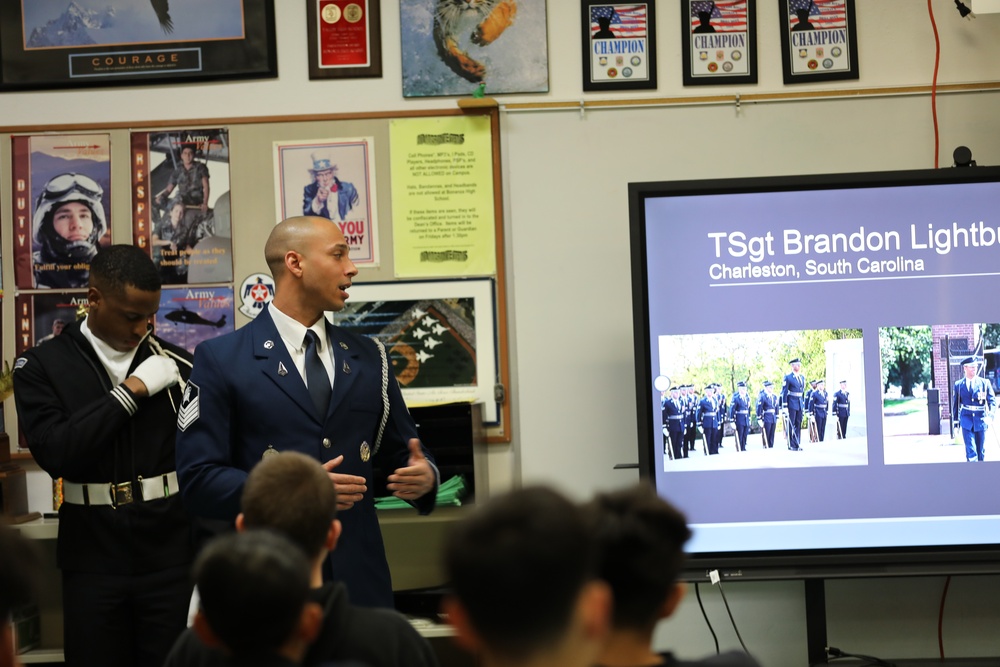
column 442, row 197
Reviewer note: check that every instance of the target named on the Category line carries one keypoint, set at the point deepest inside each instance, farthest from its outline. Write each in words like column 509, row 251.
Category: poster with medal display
column 344, row 39
column 819, row 40
column 719, row 40
column 619, row 46
column 191, row 315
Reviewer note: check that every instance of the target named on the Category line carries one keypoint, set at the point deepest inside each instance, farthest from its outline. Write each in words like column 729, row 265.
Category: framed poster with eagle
column 47, row 44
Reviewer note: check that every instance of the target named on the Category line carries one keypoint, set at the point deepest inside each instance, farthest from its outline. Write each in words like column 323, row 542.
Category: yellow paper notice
column 442, row 197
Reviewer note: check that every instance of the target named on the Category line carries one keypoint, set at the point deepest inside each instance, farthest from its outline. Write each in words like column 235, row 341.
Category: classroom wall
column 565, row 177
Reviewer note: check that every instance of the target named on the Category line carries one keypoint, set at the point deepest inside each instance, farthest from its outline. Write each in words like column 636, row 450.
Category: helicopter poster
column 190, row 315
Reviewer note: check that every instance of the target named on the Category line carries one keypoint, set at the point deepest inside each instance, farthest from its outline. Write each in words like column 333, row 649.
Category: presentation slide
column 840, row 279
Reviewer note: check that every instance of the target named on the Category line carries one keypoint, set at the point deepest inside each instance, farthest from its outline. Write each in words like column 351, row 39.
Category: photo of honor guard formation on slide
column 785, row 419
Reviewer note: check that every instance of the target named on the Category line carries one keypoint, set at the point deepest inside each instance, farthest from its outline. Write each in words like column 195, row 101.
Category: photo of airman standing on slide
column 939, row 386
column 752, row 411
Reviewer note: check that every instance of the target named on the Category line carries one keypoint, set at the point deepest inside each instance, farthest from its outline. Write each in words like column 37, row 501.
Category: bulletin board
column 432, row 177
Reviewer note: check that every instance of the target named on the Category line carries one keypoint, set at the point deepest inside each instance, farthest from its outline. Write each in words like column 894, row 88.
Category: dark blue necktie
column 317, row 379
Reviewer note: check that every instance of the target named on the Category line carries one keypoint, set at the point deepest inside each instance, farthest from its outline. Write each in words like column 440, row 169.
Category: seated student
column 254, row 599
column 292, row 495
column 521, row 570
column 19, row 581
column 640, row 540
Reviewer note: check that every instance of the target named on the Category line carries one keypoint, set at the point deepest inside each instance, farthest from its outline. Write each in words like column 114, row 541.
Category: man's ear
column 465, row 635
column 240, row 523
column 310, row 623
column 293, row 263
column 595, row 605
column 205, row 632
column 333, row 535
column 94, row 297
column 673, row 600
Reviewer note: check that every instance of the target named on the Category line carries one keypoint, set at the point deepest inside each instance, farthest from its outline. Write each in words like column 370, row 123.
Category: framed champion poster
column 819, row 40
column 619, row 46
column 719, row 41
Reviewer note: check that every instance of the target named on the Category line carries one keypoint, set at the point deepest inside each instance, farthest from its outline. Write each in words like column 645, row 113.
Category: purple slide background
column 680, row 253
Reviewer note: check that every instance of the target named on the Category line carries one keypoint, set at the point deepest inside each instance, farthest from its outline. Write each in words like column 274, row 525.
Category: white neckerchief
column 115, row 363
column 293, row 334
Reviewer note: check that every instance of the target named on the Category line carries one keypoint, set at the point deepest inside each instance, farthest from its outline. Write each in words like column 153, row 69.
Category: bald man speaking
column 291, row 381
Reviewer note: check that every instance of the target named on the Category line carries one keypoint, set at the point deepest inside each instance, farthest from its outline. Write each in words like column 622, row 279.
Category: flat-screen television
column 880, row 285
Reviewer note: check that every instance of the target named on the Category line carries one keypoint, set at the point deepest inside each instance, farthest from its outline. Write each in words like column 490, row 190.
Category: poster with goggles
column 62, row 207
column 180, row 204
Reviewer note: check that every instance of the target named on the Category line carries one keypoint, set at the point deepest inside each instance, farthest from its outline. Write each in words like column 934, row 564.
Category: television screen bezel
column 787, row 564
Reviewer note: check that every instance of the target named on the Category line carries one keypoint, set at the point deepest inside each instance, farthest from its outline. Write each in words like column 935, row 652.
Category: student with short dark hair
column 640, row 541
column 254, row 599
column 521, row 569
column 292, row 494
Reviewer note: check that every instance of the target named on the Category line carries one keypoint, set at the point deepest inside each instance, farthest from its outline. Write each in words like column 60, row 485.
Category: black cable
column 836, row 654
column 697, row 593
column 731, row 619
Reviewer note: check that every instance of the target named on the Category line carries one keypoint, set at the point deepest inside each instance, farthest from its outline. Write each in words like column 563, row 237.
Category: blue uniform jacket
column 792, row 392
column 246, row 397
column 970, row 407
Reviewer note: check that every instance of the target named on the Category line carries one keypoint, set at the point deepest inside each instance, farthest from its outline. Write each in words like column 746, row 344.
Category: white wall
column 565, row 178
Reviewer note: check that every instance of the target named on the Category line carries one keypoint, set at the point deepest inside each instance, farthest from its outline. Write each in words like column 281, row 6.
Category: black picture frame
column 827, row 51
column 242, row 48
column 719, row 43
column 331, row 37
column 614, row 64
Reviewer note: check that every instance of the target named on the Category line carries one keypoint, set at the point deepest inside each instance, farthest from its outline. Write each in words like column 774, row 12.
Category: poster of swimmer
column 619, row 46
column 719, row 40
column 62, row 207
column 819, row 40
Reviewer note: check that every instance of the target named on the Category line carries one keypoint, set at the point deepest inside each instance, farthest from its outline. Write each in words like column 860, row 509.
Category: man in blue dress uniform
column 792, row 398
column 673, row 423
column 819, row 405
column 766, row 413
column 690, row 402
column 842, row 406
column 720, row 414
column 739, row 413
column 291, row 381
column 707, row 412
column 972, row 407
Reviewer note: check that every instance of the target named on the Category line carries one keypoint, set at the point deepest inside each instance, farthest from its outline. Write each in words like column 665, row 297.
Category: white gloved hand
column 157, row 373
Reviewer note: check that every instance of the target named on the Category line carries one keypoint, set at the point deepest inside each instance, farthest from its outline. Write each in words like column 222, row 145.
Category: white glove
column 157, row 373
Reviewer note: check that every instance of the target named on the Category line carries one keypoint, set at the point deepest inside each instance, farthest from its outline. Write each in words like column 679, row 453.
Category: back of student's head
column 517, row 566
column 292, row 494
column 253, row 587
column 640, row 541
column 119, row 266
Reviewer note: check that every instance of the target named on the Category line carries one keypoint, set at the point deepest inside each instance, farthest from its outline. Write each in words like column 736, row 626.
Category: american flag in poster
column 727, row 15
column 626, row 20
column 823, row 14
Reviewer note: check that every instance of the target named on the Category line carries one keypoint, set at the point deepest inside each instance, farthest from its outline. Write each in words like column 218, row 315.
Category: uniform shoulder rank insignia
column 190, row 408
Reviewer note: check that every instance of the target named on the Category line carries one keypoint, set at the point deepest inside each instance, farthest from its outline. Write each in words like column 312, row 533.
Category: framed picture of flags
column 439, row 335
column 819, row 40
column 719, row 41
column 619, row 45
